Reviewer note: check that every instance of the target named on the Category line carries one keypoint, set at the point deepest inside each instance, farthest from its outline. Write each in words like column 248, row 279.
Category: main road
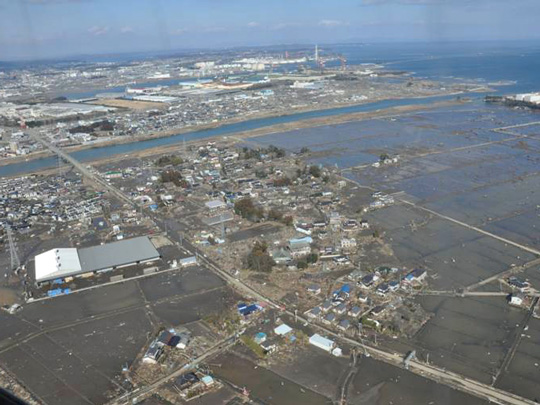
column 429, row 371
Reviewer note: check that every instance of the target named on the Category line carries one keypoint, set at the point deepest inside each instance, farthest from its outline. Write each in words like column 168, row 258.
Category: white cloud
column 98, row 30
column 126, row 29
column 253, row 24
column 333, row 23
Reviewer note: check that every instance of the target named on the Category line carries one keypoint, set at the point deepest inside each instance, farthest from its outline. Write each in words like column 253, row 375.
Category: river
column 89, row 155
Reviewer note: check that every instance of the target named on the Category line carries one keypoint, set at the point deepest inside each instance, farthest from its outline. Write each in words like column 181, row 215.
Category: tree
column 259, row 259
column 383, row 157
column 304, row 150
column 247, row 209
column 302, row 264
column 282, row 182
column 287, row 220
column 312, row 258
column 275, row 215
column 315, row 171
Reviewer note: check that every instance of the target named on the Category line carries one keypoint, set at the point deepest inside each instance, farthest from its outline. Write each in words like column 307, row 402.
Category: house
column 314, row 313
column 300, row 247
column 355, row 311
column 314, row 289
column 364, row 224
column 188, row 261
column 378, row 310
column 182, row 340
column 326, row 306
column 187, row 380
column 356, row 275
column 281, row 256
column 247, row 310
column 260, row 337
column 348, row 243
column 344, row 289
column 382, row 289
column 269, row 346
column 362, row 298
column 368, row 280
column 322, row 342
column 341, row 260
column 344, row 324
column 330, row 318
column 153, row 353
column 393, row 285
column 334, row 218
column 208, row 381
column 165, row 338
column 518, row 283
column 516, row 300
column 417, row 275
column 282, row 330
column 340, row 309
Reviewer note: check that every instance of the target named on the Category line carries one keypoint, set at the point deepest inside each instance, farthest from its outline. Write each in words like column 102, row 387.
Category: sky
column 40, row 29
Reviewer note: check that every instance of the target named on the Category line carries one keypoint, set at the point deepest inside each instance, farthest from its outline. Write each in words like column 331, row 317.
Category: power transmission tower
column 15, row 262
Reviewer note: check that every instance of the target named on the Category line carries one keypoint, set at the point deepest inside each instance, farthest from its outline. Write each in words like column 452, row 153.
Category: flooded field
column 76, row 345
column 522, row 377
column 264, row 385
column 377, row 383
column 469, row 336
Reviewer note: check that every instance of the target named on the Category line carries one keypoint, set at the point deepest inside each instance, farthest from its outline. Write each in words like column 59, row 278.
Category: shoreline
column 203, row 127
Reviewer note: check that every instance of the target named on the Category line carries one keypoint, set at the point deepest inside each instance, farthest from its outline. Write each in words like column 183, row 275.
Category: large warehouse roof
column 117, row 254
column 59, row 263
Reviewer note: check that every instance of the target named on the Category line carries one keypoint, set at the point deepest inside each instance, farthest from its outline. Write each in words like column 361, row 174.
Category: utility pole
column 15, row 262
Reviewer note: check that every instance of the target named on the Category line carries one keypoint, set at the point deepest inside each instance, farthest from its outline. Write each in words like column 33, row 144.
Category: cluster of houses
column 270, row 344
column 166, row 339
column 193, row 384
column 343, row 309
column 27, row 200
column 380, row 201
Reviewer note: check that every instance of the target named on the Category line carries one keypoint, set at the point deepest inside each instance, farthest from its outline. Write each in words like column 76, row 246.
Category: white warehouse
column 65, row 262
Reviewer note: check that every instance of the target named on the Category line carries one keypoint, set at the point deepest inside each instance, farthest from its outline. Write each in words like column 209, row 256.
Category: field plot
column 178, row 283
column 454, row 255
column 523, row 374
column 314, row 369
column 74, row 307
column 377, row 383
column 193, row 308
column 469, row 336
column 77, row 344
column 107, row 344
column 264, row 385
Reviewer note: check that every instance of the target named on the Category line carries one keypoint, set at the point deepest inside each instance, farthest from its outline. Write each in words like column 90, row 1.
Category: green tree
column 312, row 258
column 247, row 209
column 259, row 259
column 274, row 215
column 315, row 171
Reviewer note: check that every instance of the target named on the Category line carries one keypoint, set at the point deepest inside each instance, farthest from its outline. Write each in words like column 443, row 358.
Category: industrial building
column 68, row 262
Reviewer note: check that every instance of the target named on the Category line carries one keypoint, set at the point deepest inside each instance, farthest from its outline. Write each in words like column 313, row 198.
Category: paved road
column 429, row 371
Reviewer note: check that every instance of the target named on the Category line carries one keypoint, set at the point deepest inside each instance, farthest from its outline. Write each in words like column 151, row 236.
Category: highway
column 429, row 371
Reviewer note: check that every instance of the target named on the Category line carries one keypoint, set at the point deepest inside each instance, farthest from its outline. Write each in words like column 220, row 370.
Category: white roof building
column 64, row 262
column 57, row 263
column 282, row 329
